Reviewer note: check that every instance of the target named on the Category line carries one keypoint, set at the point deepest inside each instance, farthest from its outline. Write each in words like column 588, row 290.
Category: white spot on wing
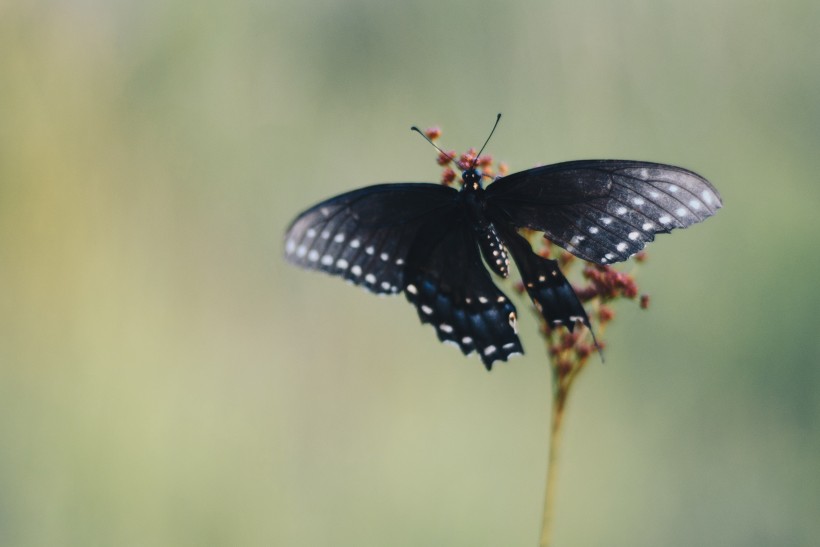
column 384, row 256
column 466, row 340
column 665, row 219
column 356, row 270
column 593, row 230
column 290, row 247
column 445, row 328
column 694, row 204
column 622, row 246
column 342, row 264
column 313, row 255
column 327, row 260
column 621, row 210
column 680, row 211
column 674, row 189
column 301, row 251
column 647, row 226
column 489, row 350
column 386, row 285
column 355, row 243
column 638, row 201
column 311, row 233
column 412, row 289
column 370, row 278
column 338, row 238
column 370, row 250
column 606, row 220
column 634, row 235
column 427, row 310
column 707, row 196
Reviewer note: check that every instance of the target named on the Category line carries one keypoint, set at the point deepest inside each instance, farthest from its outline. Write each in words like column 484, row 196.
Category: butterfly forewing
column 604, row 211
column 365, row 235
column 452, row 290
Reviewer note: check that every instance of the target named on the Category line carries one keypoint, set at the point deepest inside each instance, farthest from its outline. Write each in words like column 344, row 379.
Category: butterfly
column 439, row 246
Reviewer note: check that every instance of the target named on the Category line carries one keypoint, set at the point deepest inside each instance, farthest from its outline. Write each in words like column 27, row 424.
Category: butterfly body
column 434, row 243
column 490, row 243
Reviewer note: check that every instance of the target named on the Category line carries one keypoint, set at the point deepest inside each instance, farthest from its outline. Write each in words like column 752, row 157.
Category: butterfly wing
column 452, row 290
column 365, row 235
column 549, row 290
column 604, row 211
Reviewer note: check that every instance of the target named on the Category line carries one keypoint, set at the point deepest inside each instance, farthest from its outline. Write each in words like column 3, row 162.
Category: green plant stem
column 558, row 403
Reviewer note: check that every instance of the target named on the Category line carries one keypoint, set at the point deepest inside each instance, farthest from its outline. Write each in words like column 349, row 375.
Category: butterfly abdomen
column 492, row 248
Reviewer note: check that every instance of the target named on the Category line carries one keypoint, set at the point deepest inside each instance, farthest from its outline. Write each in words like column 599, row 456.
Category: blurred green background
column 166, row 379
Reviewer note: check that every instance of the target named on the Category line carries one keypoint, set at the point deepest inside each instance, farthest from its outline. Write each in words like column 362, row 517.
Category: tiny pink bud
column 583, row 351
column 448, row 176
column 445, row 159
column 433, row 133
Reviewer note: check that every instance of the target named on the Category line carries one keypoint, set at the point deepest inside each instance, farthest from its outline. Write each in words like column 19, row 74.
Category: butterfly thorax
column 472, row 195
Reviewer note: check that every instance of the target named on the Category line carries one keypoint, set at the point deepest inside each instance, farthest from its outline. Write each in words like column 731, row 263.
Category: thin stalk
column 558, row 403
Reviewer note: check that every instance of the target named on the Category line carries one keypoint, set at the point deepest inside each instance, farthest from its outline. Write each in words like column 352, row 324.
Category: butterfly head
column 471, row 175
column 471, row 178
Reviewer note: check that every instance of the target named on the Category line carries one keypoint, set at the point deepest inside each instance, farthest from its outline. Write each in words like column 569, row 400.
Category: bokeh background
column 166, row 379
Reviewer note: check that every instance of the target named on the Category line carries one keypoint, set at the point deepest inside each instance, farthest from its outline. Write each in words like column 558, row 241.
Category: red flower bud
column 605, row 314
column 445, row 159
column 448, row 176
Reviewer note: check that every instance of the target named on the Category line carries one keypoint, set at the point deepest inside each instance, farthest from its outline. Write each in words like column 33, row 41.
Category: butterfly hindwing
column 452, row 290
column 549, row 290
column 365, row 235
column 604, row 211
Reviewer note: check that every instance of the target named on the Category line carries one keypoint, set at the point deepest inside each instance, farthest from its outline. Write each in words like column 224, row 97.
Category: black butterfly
column 434, row 243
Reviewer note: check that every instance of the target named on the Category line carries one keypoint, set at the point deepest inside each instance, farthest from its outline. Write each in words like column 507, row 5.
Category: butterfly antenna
column 420, row 132
column 475, row 160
